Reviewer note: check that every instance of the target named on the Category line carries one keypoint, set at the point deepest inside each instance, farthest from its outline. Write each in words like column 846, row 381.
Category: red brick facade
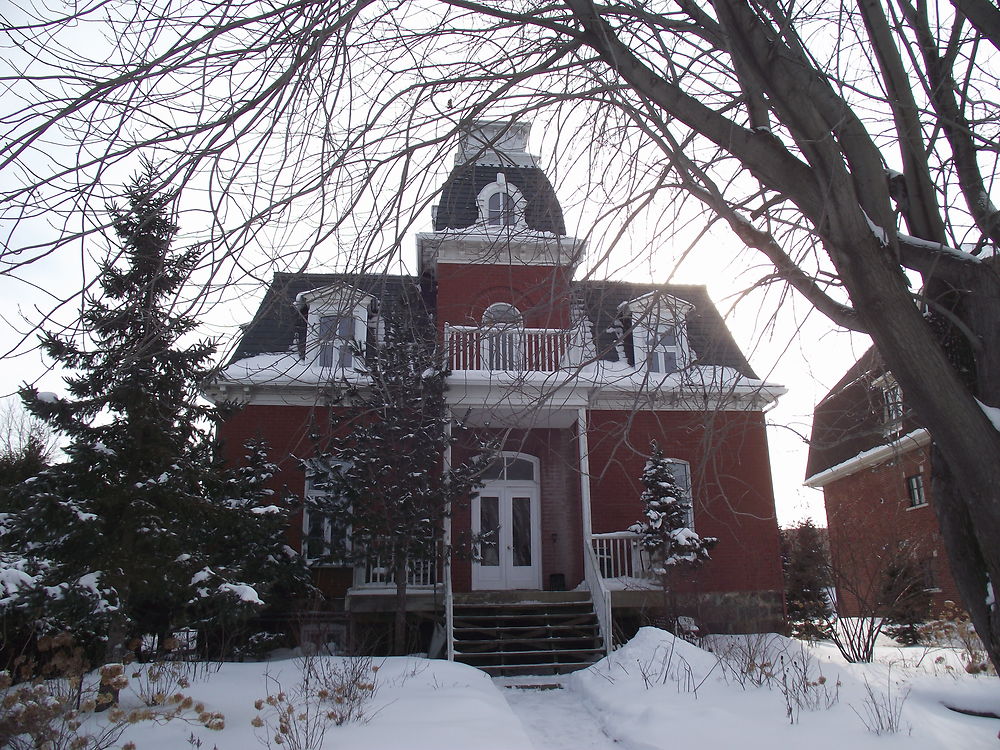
column 870, row 515
column 731, row 486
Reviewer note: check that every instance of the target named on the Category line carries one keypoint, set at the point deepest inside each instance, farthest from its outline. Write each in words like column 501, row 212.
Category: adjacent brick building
column 578, row 375
column 871, row 458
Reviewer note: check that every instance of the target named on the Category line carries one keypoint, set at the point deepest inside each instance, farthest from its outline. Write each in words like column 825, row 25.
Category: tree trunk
column 968, row 568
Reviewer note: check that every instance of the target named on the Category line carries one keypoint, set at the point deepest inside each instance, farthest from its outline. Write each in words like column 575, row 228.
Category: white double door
column 505, row 520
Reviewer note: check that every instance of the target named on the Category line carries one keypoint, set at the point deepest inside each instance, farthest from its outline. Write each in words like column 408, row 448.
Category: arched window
column 501, row 210
column 502, row 314
column 501, row 204
column 502, row 337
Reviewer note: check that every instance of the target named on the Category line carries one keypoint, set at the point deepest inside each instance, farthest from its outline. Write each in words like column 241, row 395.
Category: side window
column 662, row 347
column 325, row 539
column 682, row 475
column 915, row 490
column 892, row 403
column 336, row 341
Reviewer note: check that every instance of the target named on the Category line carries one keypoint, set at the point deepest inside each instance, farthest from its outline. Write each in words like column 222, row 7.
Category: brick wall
column 730, row 476
column 731, row 485
column 541, row 293
column 869, row 516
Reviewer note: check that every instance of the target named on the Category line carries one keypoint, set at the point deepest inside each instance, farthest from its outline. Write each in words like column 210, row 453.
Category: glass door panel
column 489, row 530
column 520, row 526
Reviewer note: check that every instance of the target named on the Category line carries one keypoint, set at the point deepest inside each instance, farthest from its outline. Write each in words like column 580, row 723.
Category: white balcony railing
column 419, row 573
column 517, row 349
column 619, row 555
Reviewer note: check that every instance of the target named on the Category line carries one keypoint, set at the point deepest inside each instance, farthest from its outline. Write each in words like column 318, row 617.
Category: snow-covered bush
column 773, row 661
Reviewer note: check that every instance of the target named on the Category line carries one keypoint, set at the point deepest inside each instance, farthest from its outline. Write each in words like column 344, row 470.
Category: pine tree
column 383, row 476
column 119, row 540
column 665, row 529
column 807, row 580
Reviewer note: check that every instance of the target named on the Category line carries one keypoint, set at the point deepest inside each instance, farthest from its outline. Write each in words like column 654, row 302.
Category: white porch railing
column 418, row 573
column 619, row 555
column 600, row 594
column 518, row 349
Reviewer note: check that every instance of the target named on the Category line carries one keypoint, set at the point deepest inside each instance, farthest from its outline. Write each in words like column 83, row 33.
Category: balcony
column 509, row 348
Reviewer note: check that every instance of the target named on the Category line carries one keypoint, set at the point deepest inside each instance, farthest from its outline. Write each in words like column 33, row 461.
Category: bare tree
column 846, row 142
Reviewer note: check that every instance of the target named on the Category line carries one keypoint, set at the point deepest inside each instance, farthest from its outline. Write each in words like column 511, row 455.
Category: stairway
column 512, row 633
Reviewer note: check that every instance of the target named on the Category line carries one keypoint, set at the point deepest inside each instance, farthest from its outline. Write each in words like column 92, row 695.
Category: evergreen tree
column 665, row 529
column 383, row 477
column 806, row 566
column 120, row 540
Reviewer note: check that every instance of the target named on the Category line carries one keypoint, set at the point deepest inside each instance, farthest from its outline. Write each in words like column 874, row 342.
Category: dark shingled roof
column 708, row 337
column 848, row 420
column 457, row 208
column 277, row 323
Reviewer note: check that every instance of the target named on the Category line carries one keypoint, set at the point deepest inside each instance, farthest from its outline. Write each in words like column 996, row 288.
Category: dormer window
column 501, row 204
column 337, row 320
column 501, row 210
column 663, row 350
column 659, row 332
column 892, row 406
column 336, row 341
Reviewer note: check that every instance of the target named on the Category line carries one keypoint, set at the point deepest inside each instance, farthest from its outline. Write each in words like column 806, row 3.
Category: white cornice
column 871, row 457
column 499, row 246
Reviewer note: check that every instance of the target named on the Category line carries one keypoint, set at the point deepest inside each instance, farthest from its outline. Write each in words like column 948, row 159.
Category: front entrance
column 506, row 521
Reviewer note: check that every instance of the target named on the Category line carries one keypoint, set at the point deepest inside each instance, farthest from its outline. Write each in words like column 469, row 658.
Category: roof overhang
column 872, row 457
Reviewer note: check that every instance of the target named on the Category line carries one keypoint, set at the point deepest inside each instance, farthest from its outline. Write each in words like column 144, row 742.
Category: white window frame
column 655, row 316
column 327, row 530
column 517, row 204
column 341, row 302
column 915, row 491
column 648, row 344
column 658, row 354
column 893, row 407
column 336, row 350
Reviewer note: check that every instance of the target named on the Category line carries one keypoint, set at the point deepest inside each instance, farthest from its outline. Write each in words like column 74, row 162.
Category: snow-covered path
column 558, row 720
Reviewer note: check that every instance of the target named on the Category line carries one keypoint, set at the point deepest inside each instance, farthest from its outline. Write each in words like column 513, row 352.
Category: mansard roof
column 708, row 337
column 849, row 419
column 457, row 208
column 279, row 321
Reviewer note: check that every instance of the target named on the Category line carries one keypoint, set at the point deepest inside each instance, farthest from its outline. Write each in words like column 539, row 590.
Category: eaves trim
column 871, row 457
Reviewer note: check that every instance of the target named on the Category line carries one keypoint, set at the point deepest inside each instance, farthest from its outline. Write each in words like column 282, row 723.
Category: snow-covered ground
column 654, row 693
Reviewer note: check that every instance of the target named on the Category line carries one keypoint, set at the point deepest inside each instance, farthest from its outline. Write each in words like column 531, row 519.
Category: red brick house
column 871, row 458
column 579, row 376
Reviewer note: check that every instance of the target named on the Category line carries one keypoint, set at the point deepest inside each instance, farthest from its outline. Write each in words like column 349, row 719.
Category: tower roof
column 489, row 149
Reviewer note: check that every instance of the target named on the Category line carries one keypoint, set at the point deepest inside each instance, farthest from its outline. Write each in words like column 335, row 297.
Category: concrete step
column 505, row 635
